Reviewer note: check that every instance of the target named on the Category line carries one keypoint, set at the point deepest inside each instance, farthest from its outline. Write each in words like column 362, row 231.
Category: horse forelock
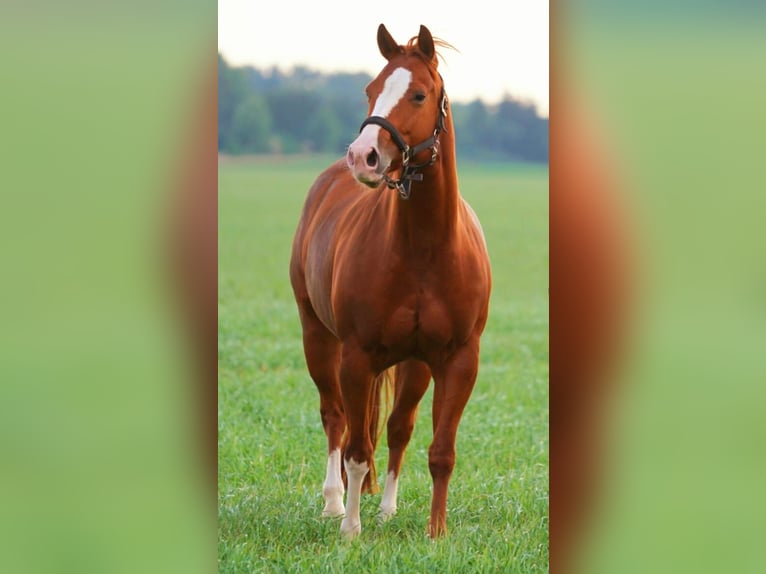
column 412, row 49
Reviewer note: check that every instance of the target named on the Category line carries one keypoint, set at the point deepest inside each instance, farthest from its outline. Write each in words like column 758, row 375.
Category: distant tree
column 349, row 87
column 473, row 126
column 350, row 112
column 306, row 110
column 291, row 111
column 517, row 132
column 509, row 129
column 538, row 142
column 251, row 129
column 232, row 89
column 325, row 132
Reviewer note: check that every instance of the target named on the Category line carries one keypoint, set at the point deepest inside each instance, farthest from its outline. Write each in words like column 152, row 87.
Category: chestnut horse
column 389, row 268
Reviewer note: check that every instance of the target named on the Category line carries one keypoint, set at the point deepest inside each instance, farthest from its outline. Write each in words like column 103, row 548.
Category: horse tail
column 381, row 399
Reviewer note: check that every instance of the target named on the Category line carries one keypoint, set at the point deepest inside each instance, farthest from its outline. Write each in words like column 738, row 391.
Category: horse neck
column 429, row 216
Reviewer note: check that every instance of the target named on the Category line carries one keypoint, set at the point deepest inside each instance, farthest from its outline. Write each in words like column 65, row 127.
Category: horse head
column 407, row 110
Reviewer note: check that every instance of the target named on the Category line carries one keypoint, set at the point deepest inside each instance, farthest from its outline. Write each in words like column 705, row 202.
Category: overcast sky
column 503, row 47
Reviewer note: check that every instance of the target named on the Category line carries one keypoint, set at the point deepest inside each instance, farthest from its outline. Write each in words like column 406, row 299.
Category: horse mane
column 412, row 48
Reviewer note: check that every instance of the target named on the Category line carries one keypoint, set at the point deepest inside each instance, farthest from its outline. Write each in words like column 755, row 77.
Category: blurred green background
column 99, row 463
column 676, row 91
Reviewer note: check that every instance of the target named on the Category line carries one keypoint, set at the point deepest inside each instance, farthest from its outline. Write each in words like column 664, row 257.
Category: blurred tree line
column 309, row 111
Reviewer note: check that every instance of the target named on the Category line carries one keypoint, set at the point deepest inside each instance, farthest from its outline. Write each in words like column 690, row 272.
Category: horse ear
column 386, row 44
column 426, row 42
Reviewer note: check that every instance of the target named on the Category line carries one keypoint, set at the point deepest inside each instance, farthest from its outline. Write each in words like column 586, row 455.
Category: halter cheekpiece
column 410, row 171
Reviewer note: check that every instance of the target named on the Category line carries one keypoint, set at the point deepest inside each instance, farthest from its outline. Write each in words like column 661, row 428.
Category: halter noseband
column 410, row 170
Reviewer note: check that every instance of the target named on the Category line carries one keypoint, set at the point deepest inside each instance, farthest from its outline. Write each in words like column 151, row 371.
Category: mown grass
column 272, row 451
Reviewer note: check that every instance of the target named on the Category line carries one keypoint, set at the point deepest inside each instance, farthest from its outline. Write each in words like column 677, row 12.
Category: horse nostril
column 350, row 158
column 372, row 158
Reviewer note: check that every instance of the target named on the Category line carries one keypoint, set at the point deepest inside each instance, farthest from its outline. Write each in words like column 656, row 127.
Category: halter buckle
column 406, row 156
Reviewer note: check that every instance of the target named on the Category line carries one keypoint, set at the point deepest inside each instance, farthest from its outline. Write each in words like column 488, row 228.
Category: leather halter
column 410, row 171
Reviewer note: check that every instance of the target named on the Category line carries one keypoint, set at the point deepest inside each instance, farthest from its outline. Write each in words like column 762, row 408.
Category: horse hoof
column 333, row 505
column 386, row 514
column 333, row 511
column 350, row 530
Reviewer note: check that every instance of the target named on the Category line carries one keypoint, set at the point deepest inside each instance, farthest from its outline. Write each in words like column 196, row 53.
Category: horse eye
column 420, row 97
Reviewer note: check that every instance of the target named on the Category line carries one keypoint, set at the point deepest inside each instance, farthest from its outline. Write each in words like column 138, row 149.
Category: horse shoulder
column 470, row 278
column 471, row 220
column 312, row 261
column 312, row 203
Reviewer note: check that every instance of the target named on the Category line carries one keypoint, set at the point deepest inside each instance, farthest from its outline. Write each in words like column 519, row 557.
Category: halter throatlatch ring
column 410, row 171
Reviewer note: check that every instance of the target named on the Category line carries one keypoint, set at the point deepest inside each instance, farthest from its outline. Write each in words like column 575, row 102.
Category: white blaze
column 355, row 471
column 333, row 486
column 394, row 88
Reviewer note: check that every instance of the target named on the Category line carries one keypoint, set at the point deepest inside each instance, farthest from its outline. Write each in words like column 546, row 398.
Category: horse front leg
column 322, row 352
column 453, row 383
column 411, row 382
column 356, row 382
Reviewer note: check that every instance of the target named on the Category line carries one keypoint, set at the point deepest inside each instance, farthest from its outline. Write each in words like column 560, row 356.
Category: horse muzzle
column 366, row 160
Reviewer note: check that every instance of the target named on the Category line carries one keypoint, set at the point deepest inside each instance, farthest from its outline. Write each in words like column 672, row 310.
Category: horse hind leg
column 382, row 386
column 411, row 381
column 453, row 384
column 322, row 352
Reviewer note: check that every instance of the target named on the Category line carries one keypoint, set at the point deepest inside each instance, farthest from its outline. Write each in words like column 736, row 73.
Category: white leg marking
column 333, row 487
column 388, row 504
column 352, row 524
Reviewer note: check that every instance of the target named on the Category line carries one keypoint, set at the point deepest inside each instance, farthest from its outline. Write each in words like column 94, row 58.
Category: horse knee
column 331, row 414
column 399, row 432
column 441, row 462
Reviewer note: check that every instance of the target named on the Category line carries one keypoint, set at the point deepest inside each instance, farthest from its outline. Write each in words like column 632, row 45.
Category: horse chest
column 420, row 324
column 399, row 307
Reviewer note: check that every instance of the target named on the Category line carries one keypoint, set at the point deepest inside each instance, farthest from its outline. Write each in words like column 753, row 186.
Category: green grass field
column 272, row 450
